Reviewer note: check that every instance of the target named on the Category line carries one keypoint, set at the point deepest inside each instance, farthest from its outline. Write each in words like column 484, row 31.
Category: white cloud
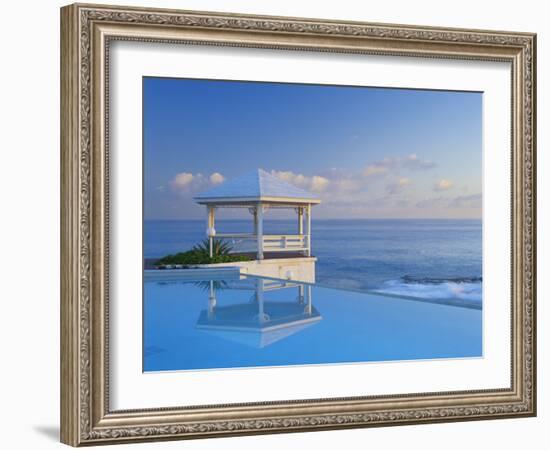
column 315, row 183
column 186, row 182
column 413, row 162
column 398, row 185
column 319, row 183
column 343, row 181
column 288, row 176
column 462, row 201
column 387, row 176
column 467, row 201
column 443, row 185
column 217, row 178
column 379, row 167
column 337, row 181
column 374, row 169
column 347, row 185
column 183, row 180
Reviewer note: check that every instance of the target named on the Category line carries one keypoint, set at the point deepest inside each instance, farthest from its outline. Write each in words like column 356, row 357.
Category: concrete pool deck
column 294, row 268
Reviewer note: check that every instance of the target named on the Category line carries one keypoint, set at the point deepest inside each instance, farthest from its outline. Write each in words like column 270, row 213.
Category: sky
column 365, row 152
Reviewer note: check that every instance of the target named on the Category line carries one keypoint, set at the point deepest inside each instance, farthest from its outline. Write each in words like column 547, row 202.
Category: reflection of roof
column 251, row 284
column 240, row 323
column 257, row 185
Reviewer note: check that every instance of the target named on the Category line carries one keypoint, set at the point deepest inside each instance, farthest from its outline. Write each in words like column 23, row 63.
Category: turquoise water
column 253, row 322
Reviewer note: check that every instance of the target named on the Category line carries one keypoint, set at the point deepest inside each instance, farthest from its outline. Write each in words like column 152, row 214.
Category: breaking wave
column 467, row 290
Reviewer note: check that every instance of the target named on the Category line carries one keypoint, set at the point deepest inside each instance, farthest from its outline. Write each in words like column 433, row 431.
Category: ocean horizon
column 431, row 259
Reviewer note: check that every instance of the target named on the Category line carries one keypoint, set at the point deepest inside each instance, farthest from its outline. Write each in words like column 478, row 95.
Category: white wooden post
column 260, row 298
column 255, row 214
column 211, row 229
column 260, row 230
column 254, row 211
column 308, row 230
column 301, row 297
column 300, row 221
column 308, row 300
column 211, row 300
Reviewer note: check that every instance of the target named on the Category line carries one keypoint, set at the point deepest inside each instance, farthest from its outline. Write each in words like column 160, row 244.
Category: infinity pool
column 237, row 321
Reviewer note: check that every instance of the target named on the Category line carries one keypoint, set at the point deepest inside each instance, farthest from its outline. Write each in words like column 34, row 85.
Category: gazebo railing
column 284, row 242
column 247, row 242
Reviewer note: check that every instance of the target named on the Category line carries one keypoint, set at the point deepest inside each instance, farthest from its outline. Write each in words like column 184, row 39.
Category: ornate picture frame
column 87, row 31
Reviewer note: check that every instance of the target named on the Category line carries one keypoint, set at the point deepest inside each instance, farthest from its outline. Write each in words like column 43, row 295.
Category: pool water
column 238, row 321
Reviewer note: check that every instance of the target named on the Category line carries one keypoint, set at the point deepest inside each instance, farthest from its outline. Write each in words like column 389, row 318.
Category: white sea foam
column 469, row 291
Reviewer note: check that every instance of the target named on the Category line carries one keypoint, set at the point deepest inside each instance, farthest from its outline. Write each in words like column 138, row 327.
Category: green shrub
column 200, row 254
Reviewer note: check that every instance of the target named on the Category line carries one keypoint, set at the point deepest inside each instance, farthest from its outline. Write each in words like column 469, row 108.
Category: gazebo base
column 282, row 266
column 273, row 255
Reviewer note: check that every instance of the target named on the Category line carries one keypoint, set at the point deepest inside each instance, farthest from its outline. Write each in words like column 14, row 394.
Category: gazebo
column 258, row 191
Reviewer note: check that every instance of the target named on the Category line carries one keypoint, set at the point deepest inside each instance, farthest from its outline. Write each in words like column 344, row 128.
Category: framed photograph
column 275, row 224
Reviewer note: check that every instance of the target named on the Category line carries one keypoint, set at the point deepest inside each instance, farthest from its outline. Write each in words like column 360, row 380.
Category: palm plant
column 218, row 285
column 219, row 248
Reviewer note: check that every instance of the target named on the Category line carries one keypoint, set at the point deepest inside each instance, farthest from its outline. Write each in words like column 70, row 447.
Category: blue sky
column 366, row 152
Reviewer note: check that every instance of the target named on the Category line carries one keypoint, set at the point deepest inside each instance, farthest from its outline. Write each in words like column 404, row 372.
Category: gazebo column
column 211, row 230
column 260, row 299
column 211, row 300
column 254, row 212
column 301, row 296
column 300, row 211
column 308, row 230
column 260, row 230
column 308, row 300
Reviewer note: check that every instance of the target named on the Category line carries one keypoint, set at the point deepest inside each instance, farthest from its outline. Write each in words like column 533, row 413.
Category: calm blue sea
column 429, row 259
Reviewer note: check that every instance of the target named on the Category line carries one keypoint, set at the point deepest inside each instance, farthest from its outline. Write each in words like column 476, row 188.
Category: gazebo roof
column 256, row 186
column 239, row 322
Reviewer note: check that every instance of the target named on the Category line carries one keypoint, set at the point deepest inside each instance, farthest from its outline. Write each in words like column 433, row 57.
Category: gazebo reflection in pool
column 258, row 322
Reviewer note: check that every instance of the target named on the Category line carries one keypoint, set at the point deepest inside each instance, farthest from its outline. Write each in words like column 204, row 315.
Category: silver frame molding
column 86, row 32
